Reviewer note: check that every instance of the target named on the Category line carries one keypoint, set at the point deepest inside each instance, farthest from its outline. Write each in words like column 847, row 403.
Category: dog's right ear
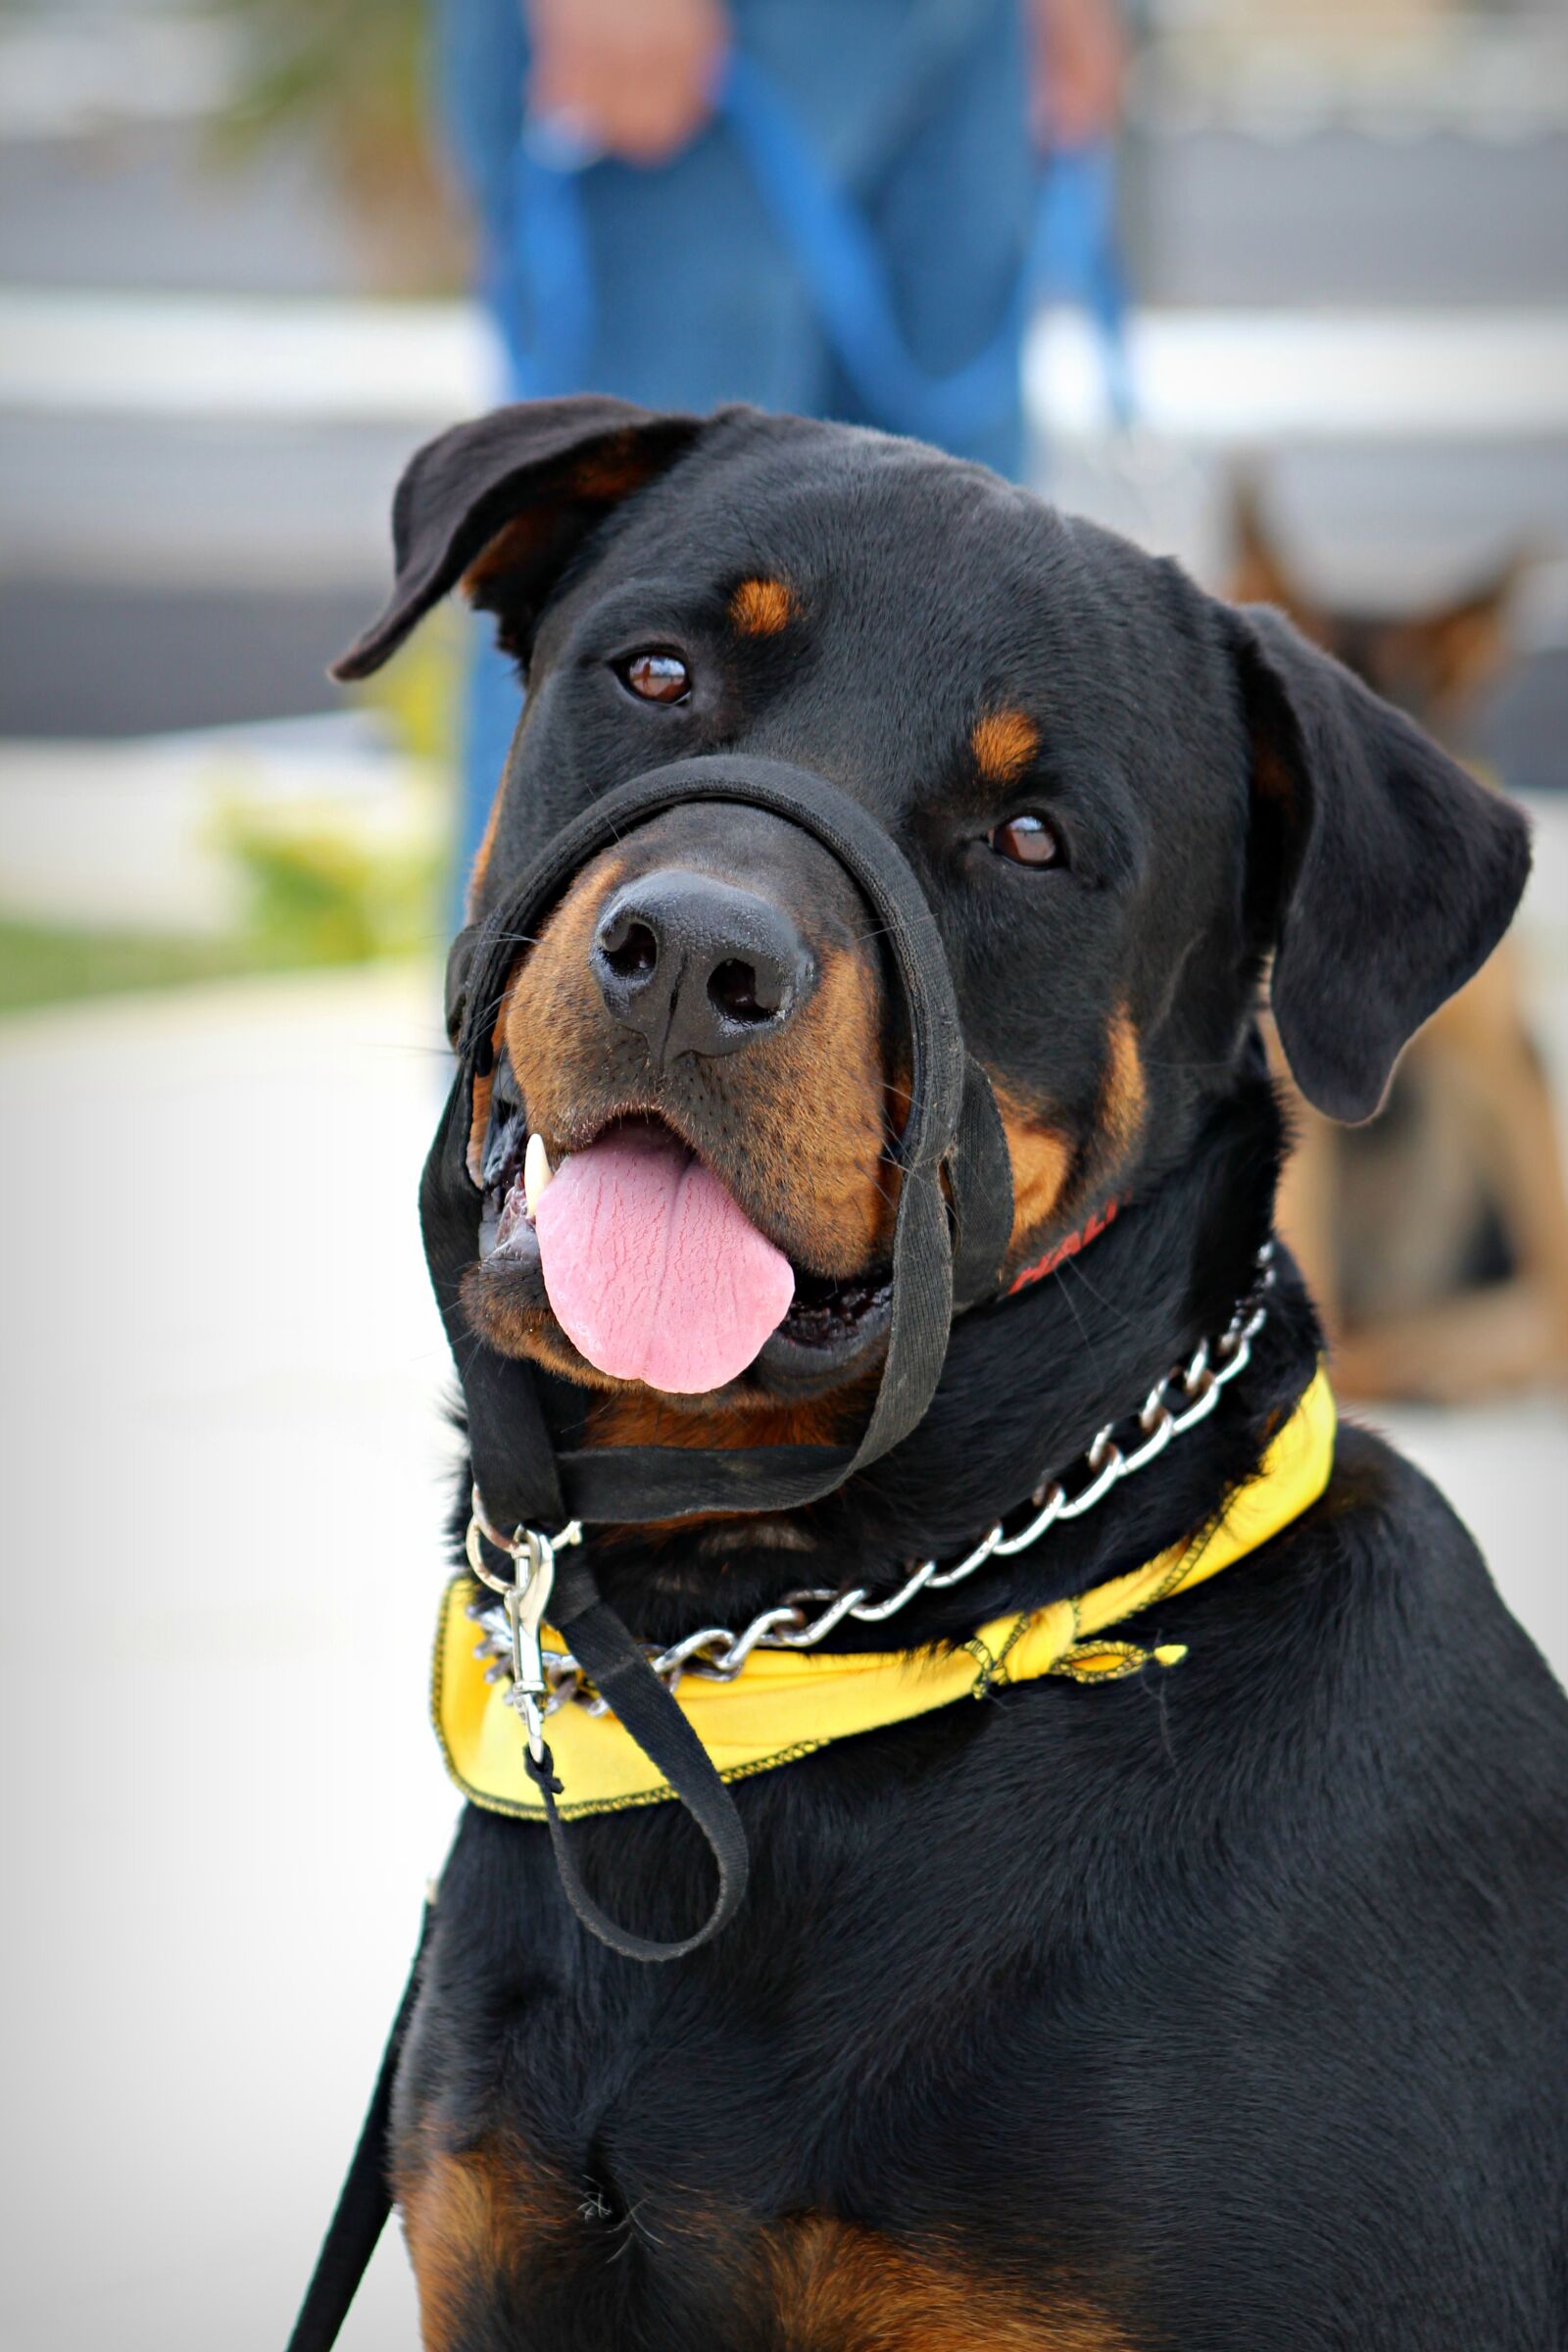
column 501, row 503
column 1381, row 873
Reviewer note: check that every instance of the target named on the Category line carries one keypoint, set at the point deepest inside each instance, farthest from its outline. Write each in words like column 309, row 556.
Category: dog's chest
column 510, row 2252
column 716, row 2174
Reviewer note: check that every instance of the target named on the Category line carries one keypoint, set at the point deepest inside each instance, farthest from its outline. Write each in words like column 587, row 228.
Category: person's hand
column 1079, row 59
column 634, row 78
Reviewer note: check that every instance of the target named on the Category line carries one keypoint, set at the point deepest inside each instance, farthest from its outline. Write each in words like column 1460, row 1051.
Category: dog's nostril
column 735, row 991
column 630, row 950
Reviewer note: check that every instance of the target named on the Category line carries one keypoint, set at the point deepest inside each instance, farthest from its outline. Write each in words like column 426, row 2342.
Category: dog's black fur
column 1220, row 2009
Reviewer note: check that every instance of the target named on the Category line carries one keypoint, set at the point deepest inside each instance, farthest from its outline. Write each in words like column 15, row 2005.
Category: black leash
column 950, row 1230
column 642, row 1704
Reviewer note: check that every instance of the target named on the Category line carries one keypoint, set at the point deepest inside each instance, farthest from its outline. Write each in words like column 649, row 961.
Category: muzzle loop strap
column 952, row 1148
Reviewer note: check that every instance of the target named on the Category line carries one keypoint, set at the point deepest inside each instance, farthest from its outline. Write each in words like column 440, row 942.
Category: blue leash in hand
column 540, row 285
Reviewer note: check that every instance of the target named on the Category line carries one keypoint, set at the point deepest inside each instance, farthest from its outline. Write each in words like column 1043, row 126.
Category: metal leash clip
column 532, row 1555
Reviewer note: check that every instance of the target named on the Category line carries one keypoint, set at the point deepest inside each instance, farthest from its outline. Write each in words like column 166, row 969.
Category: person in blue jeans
column 927, row 115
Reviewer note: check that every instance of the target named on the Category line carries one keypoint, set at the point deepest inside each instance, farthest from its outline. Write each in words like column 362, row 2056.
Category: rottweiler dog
column 1218, row 2006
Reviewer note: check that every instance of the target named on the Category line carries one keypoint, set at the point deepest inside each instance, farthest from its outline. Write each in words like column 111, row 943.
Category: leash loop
column 624, row 1677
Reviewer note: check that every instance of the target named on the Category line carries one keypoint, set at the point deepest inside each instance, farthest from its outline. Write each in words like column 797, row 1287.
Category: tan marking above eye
column 1004, row 743
column 761, row 607
column 657, row 677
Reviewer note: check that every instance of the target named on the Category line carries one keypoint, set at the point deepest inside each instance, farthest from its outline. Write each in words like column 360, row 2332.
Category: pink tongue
column 652, row 1269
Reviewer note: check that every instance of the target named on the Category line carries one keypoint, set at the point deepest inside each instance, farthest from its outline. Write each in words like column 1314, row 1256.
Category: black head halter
column 952, row 1155
column 950, row 1230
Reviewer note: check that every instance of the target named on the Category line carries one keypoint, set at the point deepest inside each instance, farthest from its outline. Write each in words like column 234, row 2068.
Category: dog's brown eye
column 1027, row 839
column 657, row 677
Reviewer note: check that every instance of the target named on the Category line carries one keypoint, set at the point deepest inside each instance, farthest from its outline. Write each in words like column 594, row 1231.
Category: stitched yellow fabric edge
column 786, row 1704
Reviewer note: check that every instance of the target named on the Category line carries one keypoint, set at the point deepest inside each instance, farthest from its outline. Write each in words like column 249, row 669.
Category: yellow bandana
column 785, row 1703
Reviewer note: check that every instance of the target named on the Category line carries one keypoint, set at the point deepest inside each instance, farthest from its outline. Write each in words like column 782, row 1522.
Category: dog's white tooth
column 536, row 1172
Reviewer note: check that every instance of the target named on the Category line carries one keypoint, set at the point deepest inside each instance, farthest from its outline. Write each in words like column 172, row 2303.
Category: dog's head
column 1121, row 799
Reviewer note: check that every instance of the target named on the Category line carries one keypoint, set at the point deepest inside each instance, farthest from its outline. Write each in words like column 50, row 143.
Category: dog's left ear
column 1381, row 875
column 500, row 505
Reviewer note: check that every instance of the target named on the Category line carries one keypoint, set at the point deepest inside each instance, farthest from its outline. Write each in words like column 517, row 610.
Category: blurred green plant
column 330, row 883
column 353, row 79
column 318, row 891
column 52, row 963
column 331, row 870
column 315, row 893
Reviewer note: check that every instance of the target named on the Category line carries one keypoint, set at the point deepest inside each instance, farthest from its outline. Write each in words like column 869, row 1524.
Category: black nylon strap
column 645, row 1708
column 953, row 1136
column 365, row 2200
column 980, row 1169
column 509, row 1442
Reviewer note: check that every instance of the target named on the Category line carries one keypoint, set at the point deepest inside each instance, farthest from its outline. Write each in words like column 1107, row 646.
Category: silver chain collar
column 717, row 1653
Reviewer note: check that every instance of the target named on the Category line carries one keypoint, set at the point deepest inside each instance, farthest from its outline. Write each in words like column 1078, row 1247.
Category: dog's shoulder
column 1375, row 1617
column 1419, row 1579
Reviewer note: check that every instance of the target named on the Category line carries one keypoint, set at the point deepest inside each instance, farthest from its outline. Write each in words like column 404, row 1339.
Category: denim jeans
column 917, row 109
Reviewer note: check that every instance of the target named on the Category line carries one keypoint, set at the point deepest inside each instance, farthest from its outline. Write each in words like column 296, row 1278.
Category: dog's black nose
column 697, row 966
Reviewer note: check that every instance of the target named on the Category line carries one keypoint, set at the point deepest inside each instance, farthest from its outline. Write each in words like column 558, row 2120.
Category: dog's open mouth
column 653, row 1271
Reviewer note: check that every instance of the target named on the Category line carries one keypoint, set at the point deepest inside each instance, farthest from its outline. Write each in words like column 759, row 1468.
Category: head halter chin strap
column 951, row 1231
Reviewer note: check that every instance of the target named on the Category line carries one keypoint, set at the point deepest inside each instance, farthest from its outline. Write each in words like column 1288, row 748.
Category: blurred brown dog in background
column 1436, row 1237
